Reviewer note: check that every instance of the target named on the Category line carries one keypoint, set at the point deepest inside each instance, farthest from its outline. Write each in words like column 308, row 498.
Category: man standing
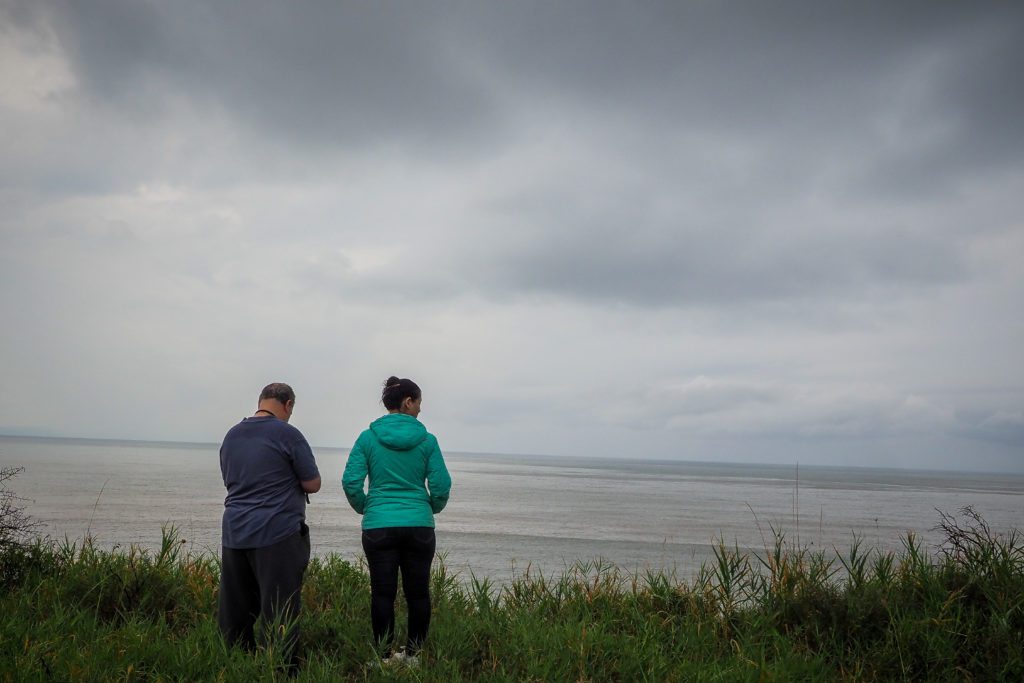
column 269, row 470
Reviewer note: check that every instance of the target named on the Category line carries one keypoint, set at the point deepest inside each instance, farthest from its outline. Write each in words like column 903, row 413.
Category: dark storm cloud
column 438, row 74
column 761, row 66
column 621, row 250
column 864, row 121
column 965, row 120
column 848, row 116
column 311, row 74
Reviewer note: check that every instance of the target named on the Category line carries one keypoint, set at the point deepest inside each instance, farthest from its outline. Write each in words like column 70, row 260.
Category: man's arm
column 304, row 465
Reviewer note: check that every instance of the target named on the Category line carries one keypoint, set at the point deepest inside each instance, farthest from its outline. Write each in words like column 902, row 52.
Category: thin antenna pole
column 798, row 503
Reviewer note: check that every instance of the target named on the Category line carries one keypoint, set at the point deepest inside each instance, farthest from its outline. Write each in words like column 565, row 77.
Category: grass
column 73, row 612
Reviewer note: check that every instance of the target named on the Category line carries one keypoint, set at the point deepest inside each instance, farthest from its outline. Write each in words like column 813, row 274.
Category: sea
column 510, row 515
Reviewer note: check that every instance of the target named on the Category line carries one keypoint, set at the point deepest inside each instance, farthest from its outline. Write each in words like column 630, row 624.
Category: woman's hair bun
column 397, row 390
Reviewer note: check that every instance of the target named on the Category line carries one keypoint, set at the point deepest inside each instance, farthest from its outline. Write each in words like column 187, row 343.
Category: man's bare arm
column 311, row 486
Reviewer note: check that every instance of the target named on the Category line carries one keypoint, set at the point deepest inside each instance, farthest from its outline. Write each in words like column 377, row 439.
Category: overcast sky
column 760, row 231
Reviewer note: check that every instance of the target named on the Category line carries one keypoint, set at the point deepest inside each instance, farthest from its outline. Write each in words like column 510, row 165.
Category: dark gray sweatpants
column 263, row 583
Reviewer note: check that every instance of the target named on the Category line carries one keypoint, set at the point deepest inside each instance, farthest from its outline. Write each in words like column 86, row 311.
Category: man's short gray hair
column 278, row 391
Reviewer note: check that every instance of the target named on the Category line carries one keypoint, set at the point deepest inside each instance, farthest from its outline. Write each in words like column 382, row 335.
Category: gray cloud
column 774, row 408
column 587, row 227
column 1001, row 427
column 622, row 251
column 319, row 74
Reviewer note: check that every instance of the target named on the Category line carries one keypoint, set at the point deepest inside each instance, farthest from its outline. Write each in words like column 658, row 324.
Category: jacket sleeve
column 438, row 480
column 354, row 476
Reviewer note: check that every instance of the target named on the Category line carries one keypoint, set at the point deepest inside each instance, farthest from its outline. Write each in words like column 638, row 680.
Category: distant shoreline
column 544, row 460
column 114, row 442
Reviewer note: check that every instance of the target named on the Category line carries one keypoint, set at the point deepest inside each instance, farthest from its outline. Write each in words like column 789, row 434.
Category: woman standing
column 409, row 484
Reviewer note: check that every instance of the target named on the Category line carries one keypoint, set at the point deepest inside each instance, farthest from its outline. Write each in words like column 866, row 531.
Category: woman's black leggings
column 411, row 550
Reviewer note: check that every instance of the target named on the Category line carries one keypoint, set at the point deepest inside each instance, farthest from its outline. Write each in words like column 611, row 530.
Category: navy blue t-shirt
column 263, row 460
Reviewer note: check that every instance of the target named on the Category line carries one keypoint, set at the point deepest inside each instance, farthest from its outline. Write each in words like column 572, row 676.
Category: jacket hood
column 399, row 432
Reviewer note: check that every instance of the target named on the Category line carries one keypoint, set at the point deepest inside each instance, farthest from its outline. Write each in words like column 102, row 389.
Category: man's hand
column 311, row 486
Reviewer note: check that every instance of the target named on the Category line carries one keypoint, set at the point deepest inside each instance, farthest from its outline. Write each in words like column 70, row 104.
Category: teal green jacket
column 409, row 482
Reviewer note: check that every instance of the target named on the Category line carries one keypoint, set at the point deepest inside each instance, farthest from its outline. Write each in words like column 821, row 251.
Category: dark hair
column 279, row 391
column 397, row 390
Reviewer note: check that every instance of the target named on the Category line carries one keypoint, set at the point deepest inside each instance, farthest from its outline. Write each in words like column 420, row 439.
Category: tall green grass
column 73, row 612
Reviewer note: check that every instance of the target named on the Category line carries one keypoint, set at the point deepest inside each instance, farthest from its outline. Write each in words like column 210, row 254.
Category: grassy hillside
column 73, row 612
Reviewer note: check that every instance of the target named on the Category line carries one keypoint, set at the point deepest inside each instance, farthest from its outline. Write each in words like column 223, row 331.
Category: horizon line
column 539, row 456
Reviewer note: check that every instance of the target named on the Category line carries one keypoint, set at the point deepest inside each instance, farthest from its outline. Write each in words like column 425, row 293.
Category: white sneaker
column 400, row 658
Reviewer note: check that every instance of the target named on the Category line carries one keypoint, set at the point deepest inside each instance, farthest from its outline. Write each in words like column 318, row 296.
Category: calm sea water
column 510, row 513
